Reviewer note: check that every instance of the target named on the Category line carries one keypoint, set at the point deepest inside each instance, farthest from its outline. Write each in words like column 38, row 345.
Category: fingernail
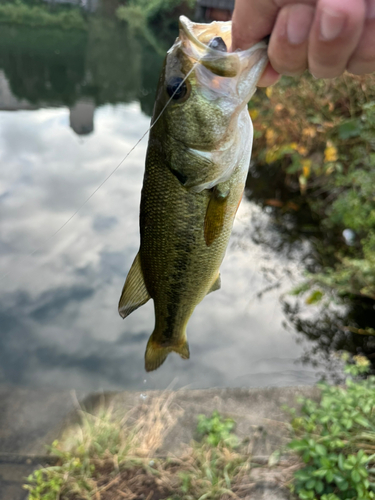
column 331, row 24
column 370, row 9
column 298, row 25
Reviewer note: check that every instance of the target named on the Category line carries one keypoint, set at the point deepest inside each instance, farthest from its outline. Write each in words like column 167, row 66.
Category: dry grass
column 138, row 433
column 151, row 422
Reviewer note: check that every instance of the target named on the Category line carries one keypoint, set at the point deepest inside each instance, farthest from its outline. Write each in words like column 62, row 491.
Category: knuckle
column 362, row 61
column 285, row 68
column 326, row 71
column 327, row 64
column 361, row 68
column 365, row 56
column 288, row 61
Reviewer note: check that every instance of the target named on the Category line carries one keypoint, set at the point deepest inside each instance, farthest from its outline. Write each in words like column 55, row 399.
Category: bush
column 139, row 12
column 39, row 16
column 336, row 440
column 321, row 134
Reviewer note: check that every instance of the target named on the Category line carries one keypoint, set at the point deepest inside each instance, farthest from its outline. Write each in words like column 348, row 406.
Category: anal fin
column 216, row 285
column 134, row 294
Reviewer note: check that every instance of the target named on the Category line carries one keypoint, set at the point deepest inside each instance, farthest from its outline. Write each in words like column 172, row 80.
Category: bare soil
column 137, row 483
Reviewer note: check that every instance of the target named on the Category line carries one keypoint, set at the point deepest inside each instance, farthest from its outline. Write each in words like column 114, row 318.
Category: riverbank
column 30, row 419
column 217, row 444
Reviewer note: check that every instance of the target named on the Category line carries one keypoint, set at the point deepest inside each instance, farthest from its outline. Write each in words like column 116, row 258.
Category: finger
column 335, row 33
column 289, row 40
column 269, row 77
column 362, row 60
column 254, row 19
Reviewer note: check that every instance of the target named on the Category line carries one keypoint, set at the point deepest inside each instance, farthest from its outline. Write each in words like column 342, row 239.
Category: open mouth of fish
column 210, row 45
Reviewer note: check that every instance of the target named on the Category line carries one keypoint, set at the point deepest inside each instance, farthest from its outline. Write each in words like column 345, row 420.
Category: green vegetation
column 39, row 15
column 140, row 15
column 216, row 430
column 336, row 440
column 140, row 12
column 321, row 135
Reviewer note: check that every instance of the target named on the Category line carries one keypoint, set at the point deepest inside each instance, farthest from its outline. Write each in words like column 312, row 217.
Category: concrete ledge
column 257, row 412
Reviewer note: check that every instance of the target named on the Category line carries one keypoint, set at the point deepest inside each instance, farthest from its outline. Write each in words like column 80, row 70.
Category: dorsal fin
column 134, row 294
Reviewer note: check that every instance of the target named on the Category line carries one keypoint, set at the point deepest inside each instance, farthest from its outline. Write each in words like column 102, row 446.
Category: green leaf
column 348, row 129
column 310, row 484
column 314, row 298
column 355, row 476
column 306, row 495
column 321, row 450
column 343, row 484
column 303, row 475
column 320, row 473
column 341, row 461
column 326, row 462
column 361, row 420
column 329, row 476
column 319, row 487
column 298, row 445
column 306, row 456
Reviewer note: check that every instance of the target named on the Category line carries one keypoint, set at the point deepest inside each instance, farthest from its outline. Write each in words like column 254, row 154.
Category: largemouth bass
column 197, row 160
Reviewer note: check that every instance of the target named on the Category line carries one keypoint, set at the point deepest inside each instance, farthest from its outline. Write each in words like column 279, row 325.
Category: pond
column 72, row 105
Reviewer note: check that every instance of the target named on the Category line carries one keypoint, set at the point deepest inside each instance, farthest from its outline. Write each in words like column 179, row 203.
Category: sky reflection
column 58, row 308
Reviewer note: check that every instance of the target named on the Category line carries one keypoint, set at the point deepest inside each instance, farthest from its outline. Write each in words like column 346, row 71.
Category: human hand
column 325, row 36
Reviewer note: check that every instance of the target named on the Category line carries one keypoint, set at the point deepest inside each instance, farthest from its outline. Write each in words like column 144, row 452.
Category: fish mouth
column 196, row 43
column 201, row 34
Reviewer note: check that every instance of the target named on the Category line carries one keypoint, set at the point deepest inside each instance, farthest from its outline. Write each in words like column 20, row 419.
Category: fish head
column 203, row 87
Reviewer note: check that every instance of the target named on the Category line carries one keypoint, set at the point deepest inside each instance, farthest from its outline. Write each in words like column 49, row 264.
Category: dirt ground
column 139, row 484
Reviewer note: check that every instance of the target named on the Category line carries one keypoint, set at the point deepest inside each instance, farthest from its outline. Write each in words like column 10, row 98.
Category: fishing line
column 46, row 240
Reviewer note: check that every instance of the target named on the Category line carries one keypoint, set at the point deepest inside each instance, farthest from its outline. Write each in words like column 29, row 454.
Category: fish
column 197, row 162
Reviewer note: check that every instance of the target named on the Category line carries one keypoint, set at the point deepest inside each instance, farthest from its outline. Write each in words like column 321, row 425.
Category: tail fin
column 156, row 354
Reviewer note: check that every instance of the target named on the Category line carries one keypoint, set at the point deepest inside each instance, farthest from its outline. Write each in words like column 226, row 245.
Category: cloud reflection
column 58, row 307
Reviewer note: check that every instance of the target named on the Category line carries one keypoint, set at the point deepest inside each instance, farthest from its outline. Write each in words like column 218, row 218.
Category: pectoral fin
column 134, row 294
column 216, row 285
column 215, row 215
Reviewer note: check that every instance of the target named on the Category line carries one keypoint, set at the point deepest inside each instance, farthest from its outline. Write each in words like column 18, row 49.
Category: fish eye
column 176, row 88
column 218, row 43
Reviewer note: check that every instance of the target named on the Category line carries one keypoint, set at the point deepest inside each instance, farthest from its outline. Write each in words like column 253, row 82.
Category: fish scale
column 173, row 247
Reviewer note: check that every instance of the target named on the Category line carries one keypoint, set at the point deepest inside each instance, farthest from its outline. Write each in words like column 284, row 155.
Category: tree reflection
column 107, row 64
column 294, row 233
column 44, row 66
column 329, row 329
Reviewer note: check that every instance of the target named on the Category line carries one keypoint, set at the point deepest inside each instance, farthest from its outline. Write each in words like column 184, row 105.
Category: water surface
column 70, row 111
